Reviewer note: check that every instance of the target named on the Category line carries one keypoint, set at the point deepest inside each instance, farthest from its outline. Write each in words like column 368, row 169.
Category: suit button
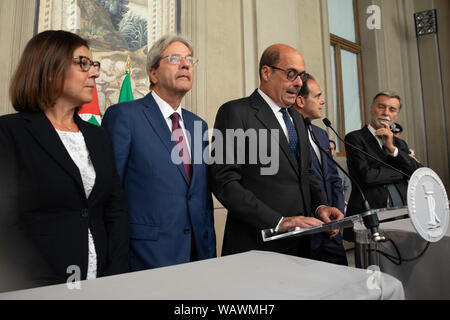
column 84, row 213
column 189, row 197
column 187, row 230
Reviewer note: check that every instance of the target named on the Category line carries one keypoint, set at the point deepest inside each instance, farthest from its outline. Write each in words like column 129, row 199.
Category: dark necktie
column 292, row 133
column 178, row 136
column 394, row 197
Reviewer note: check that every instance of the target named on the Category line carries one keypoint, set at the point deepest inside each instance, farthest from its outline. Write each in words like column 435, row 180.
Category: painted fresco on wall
column 116, row 30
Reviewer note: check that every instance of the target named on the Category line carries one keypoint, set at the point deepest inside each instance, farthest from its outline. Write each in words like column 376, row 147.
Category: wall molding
column 193, row 28
column 16, row 29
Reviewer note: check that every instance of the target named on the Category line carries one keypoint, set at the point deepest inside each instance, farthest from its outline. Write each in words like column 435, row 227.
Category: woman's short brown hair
column 39, row 78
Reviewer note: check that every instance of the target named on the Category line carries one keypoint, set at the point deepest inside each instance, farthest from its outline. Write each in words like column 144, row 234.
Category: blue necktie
column 292, row 133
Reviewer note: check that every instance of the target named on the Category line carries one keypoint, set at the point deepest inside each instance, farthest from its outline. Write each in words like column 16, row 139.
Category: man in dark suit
column 310, row 103
column 159, row 153
column 382, row 186
column 280, row 192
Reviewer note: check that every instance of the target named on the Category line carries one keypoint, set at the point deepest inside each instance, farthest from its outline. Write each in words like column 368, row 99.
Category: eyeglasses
column 176, row 59
column 86, row 63
column 291, row 74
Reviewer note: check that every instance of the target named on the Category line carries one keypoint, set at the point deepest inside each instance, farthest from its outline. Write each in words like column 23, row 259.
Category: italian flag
column 90, row 112
column 126, row 93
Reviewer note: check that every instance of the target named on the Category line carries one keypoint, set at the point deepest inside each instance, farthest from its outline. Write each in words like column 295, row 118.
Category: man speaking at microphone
column 289, row 197
column 382, row 186
column 309, row 103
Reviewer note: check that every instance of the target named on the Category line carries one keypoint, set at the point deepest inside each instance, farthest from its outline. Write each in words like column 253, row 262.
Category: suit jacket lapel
column 159, row 125
column 44, row 133
column 267, row 118
column 315, row 160
column 373, row 144
column 321, row 142
column 193, row 132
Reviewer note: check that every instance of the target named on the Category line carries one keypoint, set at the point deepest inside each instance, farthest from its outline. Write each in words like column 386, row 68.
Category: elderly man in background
column 382, row 185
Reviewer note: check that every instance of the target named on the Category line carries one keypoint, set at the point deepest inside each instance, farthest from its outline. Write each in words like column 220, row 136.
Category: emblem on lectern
column 428, row 204
column 433, row 220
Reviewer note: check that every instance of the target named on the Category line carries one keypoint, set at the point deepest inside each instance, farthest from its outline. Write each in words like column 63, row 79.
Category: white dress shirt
column 276, row 111
column 167, row 111
column 315, row 147
column 380, row 142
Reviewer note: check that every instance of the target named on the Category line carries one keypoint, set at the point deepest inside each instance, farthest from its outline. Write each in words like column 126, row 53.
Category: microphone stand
column 370, row 218
column 369, row 222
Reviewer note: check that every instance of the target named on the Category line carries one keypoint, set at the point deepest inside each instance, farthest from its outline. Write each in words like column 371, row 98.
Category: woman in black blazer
column 62, row 211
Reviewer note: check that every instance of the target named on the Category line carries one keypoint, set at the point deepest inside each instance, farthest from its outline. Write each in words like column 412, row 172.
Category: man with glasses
column 290, row 196
column 159, row 154
column 382, row 186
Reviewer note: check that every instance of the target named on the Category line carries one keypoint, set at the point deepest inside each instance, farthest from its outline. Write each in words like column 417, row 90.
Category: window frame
column 354, row 47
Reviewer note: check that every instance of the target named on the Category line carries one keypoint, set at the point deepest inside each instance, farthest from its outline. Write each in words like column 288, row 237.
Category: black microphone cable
column 370, row 218
column 398, row 260
column 395, row 260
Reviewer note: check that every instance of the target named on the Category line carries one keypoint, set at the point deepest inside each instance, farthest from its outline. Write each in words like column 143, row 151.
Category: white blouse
column 76, row 146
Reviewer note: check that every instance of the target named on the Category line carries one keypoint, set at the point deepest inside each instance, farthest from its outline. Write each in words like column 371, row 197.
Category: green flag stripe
column 93, row 120
column 126, row 93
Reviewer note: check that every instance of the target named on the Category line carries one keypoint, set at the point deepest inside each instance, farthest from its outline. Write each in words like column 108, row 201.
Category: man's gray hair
column 389, row 94
column 154, row 55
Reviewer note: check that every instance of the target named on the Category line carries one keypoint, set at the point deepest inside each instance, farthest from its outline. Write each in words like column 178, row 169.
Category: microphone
column 392, row 126
column 370, row 218
column 328, row 124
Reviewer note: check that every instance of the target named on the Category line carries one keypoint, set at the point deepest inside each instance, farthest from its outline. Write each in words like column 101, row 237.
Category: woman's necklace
column 64, row 127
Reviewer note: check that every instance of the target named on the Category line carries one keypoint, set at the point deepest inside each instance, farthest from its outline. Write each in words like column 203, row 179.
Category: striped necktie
column 179, row 138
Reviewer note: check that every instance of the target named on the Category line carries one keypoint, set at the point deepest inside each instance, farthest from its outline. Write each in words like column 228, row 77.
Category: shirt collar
column 372, row 131
column 165, row 108
column 275, row 108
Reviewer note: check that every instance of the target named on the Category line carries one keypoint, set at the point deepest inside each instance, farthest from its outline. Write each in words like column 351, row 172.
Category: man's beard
column 378, row 122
